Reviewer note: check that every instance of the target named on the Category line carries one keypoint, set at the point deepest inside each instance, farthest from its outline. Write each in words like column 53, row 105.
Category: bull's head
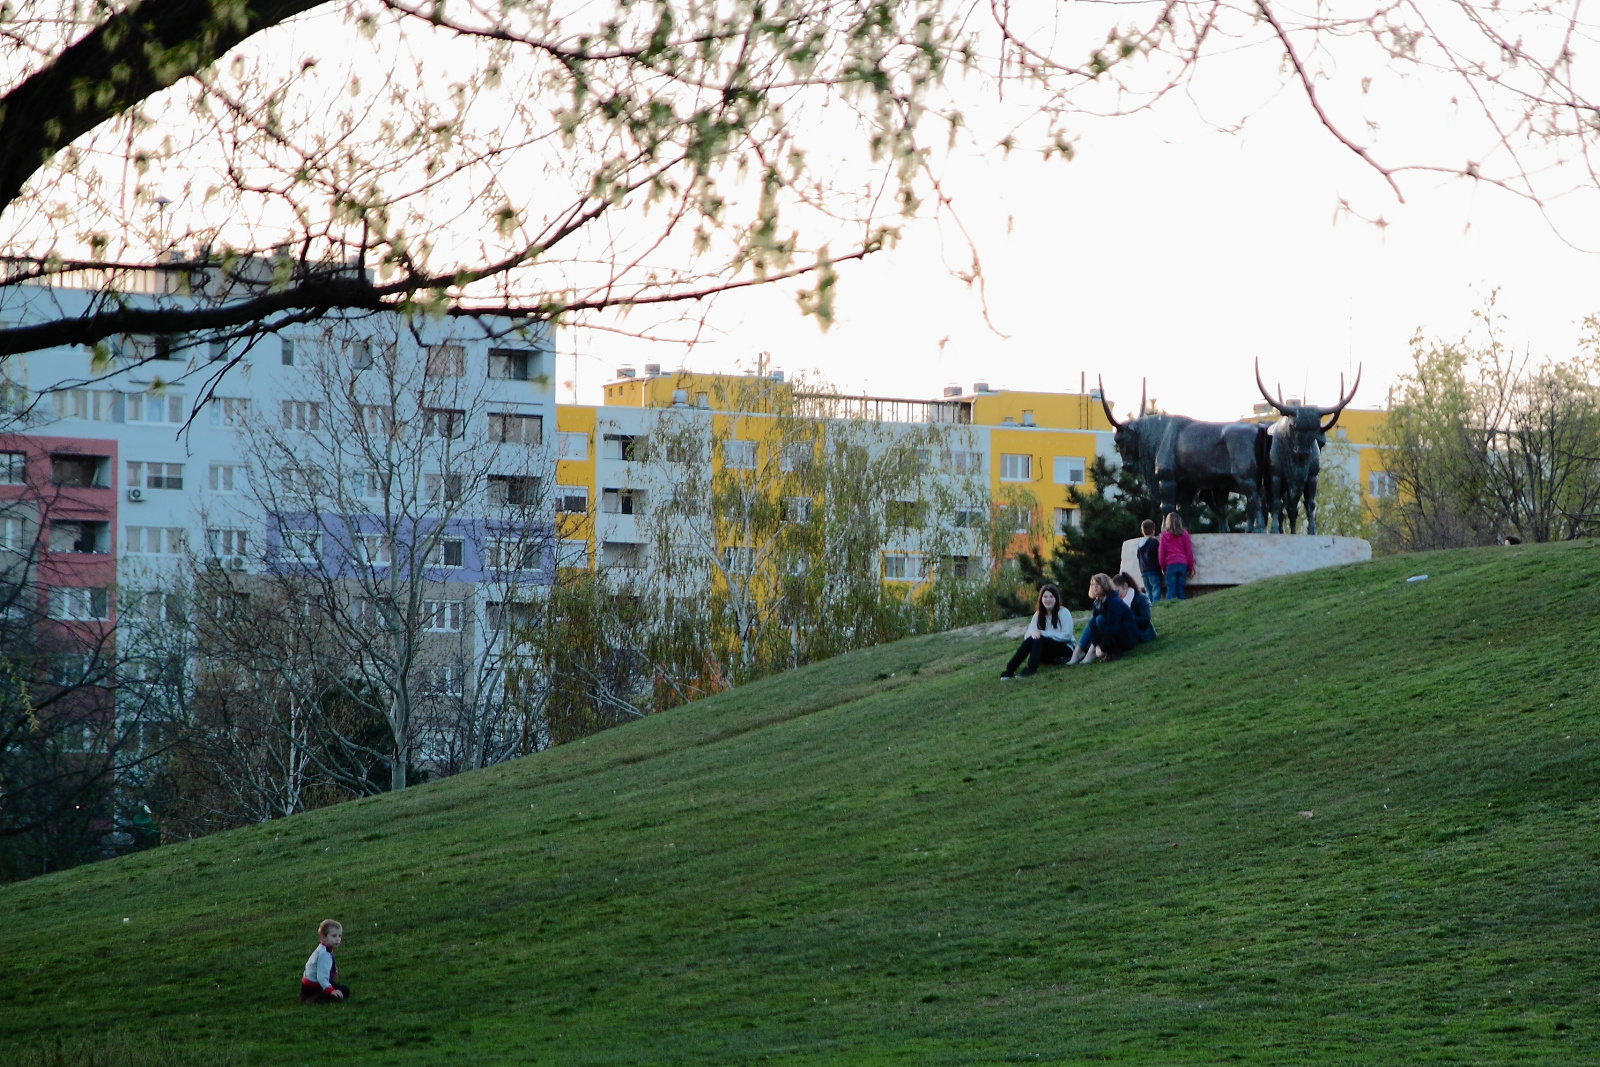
column 1126, row 439
column 1307, row 429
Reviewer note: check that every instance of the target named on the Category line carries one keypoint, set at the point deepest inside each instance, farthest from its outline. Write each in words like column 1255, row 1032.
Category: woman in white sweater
column 1049, row 636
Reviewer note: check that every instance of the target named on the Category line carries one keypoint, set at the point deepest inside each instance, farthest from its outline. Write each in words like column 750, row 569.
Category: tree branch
column 126, row 59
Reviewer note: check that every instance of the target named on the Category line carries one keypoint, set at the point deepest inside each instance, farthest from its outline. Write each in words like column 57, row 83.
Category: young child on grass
column 320, row 982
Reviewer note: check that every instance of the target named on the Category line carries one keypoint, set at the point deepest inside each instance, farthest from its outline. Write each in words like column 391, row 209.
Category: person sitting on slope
column 1049, row 636
column 1111, row 630
column 1138, row 603
column 319, row 983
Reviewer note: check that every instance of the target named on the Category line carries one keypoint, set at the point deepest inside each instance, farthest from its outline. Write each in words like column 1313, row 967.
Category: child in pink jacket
column 1176, row 555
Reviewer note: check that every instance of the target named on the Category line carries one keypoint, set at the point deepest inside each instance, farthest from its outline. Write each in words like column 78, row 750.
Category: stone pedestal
column 1223, row 560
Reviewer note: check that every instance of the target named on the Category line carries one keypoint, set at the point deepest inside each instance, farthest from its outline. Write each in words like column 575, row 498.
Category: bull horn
column 1142, row 392
column 1343, row 401
column 1283, row 409
column 1112, row 419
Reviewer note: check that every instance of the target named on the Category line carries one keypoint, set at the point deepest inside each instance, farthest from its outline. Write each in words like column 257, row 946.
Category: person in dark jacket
column 1150, row 560
column 1138, row 603
column 1111, row 630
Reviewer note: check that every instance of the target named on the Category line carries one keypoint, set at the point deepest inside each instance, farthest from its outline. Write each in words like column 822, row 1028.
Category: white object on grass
column 1417, row 578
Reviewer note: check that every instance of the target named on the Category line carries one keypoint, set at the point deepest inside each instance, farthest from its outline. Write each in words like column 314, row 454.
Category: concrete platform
column 1224, row 560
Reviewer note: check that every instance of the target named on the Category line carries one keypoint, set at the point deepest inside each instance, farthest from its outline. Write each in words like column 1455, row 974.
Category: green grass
column 893, row 858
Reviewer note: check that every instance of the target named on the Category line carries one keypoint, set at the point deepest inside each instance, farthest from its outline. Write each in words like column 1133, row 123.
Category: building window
column 79, row 605
column 622, row 501
column 739, row 455
column 225, row 477
column 359, row 354
column 302, row 546
column 441, row 616
column 513, row 490
column 377, row 420
column 442, row 487
column 513, row 364
column 286, row 351
column 155, row 475
column 80, row 537
column 13, row 532
column 302, row 415
column 447, row 680
column 512, row 429
column 572, row 446
column 572, row 553
column 963, row 462
column 1066, row 517
column 446, row 361
column 1017, row 518
column 738, row 559
column 81, row 472
column 902, row 514
column 971, row 517
column 505, row 615
column 572, row 500
column 797, row 456
column 626, row 555
column 374, row 550
column 958, row 567
column 626, row 447
column 225, row 543
column 448, row 552
column 1015, row 467
column 368, row 485
column 1380, row 484
column 13, row 468
column 796, row 509
column 443, row 422
column 228, row 410
column 154, row 540
column 159, row 408
column 157, row 606
column 1068, row 470
column 513, row 555
column 902, row 567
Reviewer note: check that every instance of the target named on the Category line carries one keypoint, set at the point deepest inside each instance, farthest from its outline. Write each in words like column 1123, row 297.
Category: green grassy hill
column 1337, row 818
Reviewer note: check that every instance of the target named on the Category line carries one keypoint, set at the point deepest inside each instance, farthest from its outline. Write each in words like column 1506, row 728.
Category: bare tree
column 402, row 498
column 463, row 157
column 297, row 157
column 92, row 677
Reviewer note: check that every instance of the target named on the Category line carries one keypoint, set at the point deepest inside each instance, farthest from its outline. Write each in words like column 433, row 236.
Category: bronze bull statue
column 1184, row 460
column 1296, row 454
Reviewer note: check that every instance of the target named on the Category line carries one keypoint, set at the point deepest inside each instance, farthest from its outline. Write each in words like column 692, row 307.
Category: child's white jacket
column 319, row 968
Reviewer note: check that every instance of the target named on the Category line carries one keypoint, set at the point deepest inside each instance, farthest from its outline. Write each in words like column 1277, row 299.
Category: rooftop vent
column 980, row 387
column 1027, row 419
column 952, row 390
column 625, row 372
column 776, row 376
column 680, row 396
column 652, row 370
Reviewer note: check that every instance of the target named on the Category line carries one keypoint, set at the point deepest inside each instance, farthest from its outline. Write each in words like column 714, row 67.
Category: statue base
column 1225, row 560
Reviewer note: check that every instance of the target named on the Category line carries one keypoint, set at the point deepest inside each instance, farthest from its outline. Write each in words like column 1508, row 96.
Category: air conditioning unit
column 236, row 563
column 136, row 494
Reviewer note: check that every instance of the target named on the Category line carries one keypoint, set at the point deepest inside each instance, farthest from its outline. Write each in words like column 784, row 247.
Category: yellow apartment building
column 1033, row 446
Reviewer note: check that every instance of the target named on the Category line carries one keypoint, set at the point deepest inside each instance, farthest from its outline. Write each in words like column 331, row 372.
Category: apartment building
column 134, row 462
column 1025, row 449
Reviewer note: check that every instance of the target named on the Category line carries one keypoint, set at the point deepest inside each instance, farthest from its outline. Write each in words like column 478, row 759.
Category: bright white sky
column 1165, row 250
